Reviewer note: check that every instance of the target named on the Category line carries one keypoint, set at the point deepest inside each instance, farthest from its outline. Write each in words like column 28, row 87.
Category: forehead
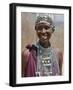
column 41, row 23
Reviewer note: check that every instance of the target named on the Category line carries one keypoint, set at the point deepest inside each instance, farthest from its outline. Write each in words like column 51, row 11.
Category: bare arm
column 60, row 62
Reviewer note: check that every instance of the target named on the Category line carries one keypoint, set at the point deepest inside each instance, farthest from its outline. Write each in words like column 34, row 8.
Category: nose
column 43, row 30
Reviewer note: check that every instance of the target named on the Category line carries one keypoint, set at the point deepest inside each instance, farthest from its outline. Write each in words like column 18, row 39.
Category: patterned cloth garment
column 46, row 58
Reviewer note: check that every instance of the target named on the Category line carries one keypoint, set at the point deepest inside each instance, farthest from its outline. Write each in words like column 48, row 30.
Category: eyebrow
column 43, row 22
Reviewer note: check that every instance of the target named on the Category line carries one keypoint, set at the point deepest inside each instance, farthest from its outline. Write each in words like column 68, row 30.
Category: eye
column 40, row 28
column 46, row 27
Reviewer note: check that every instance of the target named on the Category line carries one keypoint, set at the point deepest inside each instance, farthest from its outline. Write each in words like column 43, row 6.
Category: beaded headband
column 43, row 19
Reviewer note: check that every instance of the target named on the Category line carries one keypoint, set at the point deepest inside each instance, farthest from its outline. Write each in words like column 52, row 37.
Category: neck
column 45, row 45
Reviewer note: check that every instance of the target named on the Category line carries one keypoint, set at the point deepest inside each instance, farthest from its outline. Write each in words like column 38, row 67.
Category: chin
column 44, row 41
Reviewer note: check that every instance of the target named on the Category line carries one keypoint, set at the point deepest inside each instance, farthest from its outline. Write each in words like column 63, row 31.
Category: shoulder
column 25, row 52
column 28, row 49
column 57, row 50
column 58, row 53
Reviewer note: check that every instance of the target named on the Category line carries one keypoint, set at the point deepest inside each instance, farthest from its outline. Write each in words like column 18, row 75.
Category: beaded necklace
column 44, row 61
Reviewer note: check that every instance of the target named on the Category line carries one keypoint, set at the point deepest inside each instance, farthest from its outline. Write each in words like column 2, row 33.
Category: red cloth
column 29, row 62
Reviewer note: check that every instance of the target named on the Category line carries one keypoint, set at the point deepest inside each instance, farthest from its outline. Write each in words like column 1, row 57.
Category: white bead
column 48, row 61
column 42, row 61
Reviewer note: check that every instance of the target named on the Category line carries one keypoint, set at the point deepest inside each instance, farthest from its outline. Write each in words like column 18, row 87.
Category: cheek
column 40, row 34
column 49, row 35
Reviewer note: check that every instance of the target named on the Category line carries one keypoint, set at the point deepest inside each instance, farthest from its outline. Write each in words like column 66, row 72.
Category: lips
column 44, row 36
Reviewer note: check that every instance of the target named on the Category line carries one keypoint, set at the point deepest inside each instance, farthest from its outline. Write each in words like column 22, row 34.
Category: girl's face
column 44, row 32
